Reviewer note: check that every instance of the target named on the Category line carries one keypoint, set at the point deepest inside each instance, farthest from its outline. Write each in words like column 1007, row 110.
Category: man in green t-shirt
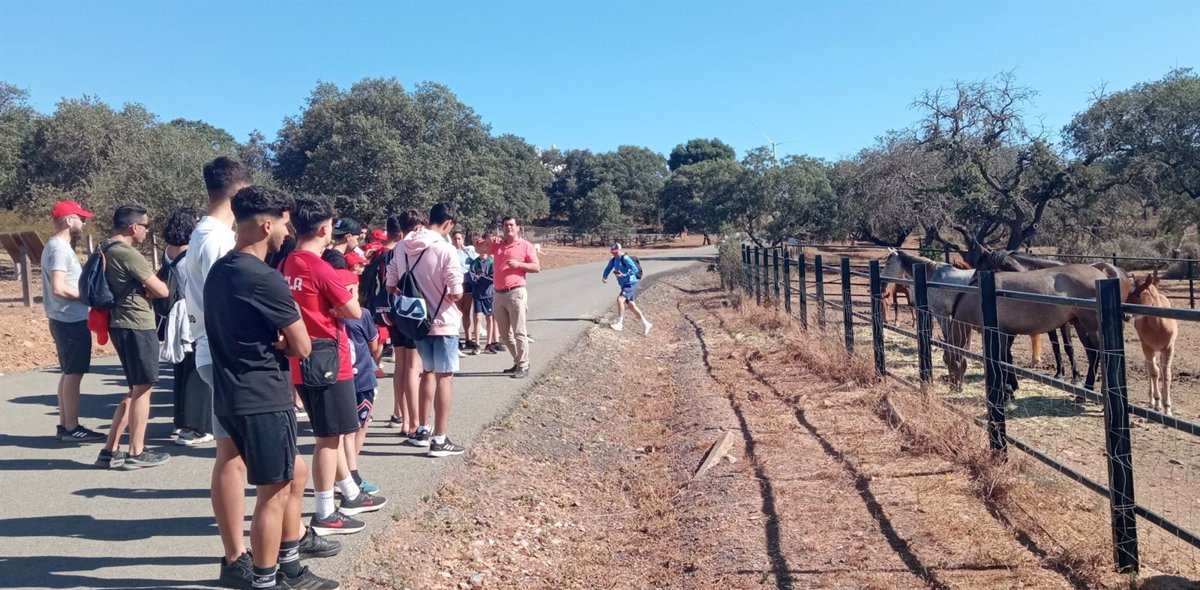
column 133, row 334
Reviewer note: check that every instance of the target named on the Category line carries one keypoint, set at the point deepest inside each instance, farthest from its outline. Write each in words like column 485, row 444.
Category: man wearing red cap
column 68, row 317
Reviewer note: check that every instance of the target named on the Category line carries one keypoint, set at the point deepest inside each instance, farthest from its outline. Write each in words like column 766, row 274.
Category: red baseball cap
column 373, row 247
column 353, row 258
column 379, row 235
column 65, row 208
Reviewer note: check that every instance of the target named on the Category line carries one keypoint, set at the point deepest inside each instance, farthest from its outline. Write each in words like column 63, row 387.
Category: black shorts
column 366, row 402
column 73, row 341
column 399, row 340
column 267, row 443
column 138, row 351
column 332, row 410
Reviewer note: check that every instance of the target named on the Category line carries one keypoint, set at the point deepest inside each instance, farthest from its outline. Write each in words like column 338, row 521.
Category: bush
column 729, row 258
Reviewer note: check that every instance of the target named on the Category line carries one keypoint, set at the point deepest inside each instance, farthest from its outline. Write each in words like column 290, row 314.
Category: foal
column 1158, row 341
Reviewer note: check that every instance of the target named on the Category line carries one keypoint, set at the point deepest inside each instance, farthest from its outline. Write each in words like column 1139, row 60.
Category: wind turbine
column 774, row 145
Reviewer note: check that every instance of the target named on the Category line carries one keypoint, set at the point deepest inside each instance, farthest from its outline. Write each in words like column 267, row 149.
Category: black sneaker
column 144, row 460
column 491, row 348
column 520, row 374
column 361, row 503
column 307, row 581
column 80, row 435
column 239, row 574
column 511, row 370
column 111, row 460
column 395, row 422
column 446, row 449
column 335, row 524
column 314, row 545
column 419, row 439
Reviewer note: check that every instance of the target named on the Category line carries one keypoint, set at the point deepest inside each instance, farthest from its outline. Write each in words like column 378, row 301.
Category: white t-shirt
column 59, row 255
column 211, row 240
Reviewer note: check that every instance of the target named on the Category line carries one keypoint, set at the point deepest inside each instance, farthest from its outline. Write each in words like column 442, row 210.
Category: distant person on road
column 438, row 273
column 327, row 393
column 252, row 323
column 626, row 270
column 193, row 397
column 68, row 317
column 482, row 280
column 466, row 254
column 133, row 334
column 406, row 379
column 513, row 258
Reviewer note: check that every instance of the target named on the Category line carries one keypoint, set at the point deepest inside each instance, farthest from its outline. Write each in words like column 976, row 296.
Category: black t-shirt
column 246, row 304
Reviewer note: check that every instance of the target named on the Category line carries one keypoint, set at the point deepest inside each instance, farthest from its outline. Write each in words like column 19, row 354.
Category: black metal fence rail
column 771, row 275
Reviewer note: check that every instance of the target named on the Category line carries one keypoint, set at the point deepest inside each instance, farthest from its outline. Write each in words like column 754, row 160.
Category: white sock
column 348, row 488
column 325, row 505
column 441, row 440
column 427, row 428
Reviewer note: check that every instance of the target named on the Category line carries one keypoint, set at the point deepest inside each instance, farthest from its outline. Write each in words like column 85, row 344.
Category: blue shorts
column 483, row 306
column 630, row 292
column 366, row 402
column 439, row 354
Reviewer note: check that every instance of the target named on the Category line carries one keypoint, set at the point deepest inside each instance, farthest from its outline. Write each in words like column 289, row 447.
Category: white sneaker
column 647, row 326
column 617, row 326
column 191, row 438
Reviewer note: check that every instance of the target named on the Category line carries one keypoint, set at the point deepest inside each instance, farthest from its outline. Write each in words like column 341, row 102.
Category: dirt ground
column 588, row 482
column 26, row 339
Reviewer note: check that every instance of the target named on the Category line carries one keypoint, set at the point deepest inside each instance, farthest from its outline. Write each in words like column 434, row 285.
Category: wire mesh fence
column 1141, row 463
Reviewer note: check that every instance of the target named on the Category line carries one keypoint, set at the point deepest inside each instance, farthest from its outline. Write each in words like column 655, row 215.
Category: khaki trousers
column 510, row 310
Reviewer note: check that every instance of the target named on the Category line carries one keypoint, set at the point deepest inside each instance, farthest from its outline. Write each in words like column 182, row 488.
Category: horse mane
column 911, row 259
column 1036, row 261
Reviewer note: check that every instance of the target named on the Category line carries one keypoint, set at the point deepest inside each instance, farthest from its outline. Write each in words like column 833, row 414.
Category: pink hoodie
column 438, row 271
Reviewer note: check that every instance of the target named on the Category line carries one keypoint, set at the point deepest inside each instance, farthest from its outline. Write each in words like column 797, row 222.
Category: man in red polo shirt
column 514, row 257
column 332, row 409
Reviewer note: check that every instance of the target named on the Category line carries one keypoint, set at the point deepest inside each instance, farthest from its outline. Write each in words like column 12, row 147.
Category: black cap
column 345, row 225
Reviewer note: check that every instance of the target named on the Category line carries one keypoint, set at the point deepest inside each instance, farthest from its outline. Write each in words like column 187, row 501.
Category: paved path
column 66, row 524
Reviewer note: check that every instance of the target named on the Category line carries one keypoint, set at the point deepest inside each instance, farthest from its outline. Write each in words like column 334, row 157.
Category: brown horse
column 1158, row 341
column 891, row 296
column 1021, row 317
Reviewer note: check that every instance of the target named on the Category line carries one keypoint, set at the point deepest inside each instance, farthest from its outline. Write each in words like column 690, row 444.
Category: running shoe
column 110, row 460
column 314, row 545
column 80, row 435
column 618, row 325
column 307, row 581
column 520, row 374
column 493, row 348
column 445, row 449
column 420, row 438
column 395, row 422
column 646, row 326
column 239, row 574
column 511, row 370
column 362, row 503
column 191, row 438
column 144, row 460
column 335, row 524
column 368, row 488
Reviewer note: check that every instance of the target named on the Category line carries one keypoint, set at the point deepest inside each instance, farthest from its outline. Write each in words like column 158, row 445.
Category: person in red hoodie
column 439, row 274
column 332, row 409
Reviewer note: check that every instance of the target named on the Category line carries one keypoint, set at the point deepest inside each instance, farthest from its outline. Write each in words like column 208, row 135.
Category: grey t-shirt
column 59, row 255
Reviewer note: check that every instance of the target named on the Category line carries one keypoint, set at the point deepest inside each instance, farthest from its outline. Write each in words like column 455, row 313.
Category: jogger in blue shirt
column 626, row 271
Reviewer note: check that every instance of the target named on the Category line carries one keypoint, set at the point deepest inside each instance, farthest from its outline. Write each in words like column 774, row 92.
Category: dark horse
column 1009, row 261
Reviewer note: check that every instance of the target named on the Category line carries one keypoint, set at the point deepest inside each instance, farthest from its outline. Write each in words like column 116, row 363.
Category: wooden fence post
column 1191, row 272
column 993, row 370
column 757, row 277
column 802, row 268
column 766, row 274
column 877, row 319
column 819, row 268
column 746, row 267
column 26, row 270
column 847, row 305
column 924, row 324
column 1116, row 426
column 787, row 282
column 775, row 265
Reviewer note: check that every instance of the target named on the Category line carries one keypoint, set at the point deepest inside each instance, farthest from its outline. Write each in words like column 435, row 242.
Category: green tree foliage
column 699, row 150
column 103, row 157
column 636, row 175
column 378, row 148
column 777, row 200
column 574, row 177
column 599, row 212
column 16, row 125
column 692, row 197
column 1148, row 135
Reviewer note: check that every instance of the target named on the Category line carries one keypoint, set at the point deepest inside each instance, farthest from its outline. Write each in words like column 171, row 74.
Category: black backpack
column 411, row 308
column 638, row 263
column 94, row 290
column 373, row 287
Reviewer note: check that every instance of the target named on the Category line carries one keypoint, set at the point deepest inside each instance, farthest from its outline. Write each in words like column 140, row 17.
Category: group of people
column 265, row 308
column 268, row 307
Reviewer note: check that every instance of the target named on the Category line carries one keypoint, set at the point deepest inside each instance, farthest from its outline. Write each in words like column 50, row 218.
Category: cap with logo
column 345, row 225
column 616, row 247
column 65, row 208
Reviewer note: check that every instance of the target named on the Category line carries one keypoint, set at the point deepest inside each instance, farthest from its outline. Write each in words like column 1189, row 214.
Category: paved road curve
column 66, row 524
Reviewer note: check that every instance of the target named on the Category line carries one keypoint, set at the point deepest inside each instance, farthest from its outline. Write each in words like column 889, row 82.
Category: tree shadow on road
column 50, row 572
column 84, row 526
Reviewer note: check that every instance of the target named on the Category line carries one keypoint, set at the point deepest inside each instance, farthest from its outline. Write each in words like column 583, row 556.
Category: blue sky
column 825, row 78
